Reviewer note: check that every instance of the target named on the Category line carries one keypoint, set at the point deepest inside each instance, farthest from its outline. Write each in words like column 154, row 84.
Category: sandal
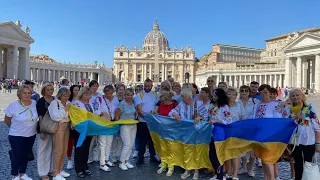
column 185, row 175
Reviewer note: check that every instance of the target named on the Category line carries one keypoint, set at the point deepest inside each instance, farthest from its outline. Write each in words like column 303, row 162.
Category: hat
column 28, row 82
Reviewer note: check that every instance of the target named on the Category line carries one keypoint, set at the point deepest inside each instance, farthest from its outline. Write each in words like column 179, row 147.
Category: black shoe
column 140, row 161
column 87, row 172
column 154, row 160
column 80, row 175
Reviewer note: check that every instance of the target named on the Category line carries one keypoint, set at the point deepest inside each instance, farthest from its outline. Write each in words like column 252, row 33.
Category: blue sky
column 88, row 30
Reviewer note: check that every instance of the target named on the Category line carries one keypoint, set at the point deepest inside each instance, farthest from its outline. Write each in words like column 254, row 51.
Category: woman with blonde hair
column 58, row 111
column 127, row 110
column 45, row 143
column 308, row 130
column 21, row 118
column 81, row 154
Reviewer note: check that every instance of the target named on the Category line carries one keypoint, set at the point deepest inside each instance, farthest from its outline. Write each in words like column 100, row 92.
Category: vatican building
column 154, row 59
column 291, row 60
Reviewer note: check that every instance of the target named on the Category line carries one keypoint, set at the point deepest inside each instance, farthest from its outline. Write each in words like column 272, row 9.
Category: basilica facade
column 133, row 66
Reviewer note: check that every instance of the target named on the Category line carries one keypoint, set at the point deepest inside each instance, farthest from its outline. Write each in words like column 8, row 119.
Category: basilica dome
column 150, row 39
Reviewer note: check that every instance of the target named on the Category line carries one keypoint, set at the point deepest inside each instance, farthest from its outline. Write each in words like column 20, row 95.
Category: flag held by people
column 181, row 144
column 267, row 137
column 89, row 124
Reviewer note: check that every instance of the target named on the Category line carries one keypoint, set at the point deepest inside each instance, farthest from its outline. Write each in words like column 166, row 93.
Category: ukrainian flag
column 89, row 124
column 267, row 137
column 181, row 144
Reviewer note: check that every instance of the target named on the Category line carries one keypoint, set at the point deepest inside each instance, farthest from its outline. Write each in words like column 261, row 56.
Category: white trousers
column 105, row 144
column 116, row 147
column 45, row 155
column 128, row 136
column 94, row 150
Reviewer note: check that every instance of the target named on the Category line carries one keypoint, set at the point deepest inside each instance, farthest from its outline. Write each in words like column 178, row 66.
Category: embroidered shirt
column 187, row 111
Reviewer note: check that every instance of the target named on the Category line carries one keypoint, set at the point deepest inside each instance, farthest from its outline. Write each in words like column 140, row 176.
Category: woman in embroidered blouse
column 308, row 130
column 185, row 110
column 74, row 90
column 248, row 104
column 219, row 113
column 237, row 113
column 58, row 111
column 81, row 154
column 105, row 142
column 127, row 110
column 267, row 109
column 21, row 118
column 176, row 87
column 45, row 142
column 96, row 101
column 223, row 85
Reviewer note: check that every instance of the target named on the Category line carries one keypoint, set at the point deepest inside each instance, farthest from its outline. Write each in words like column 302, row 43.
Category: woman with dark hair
column 195, row 92
column 219, row 113
column 267, row 108
column 223, row 85
column 74, row 89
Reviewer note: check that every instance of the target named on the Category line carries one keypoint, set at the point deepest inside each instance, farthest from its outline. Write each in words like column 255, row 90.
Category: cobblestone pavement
column 145, row 172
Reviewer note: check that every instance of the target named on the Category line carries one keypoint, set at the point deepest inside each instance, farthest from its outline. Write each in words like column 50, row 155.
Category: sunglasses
column 244, row 90
column 210, row 81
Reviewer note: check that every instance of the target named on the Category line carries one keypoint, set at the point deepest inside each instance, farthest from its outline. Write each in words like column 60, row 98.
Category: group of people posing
column 208, row 104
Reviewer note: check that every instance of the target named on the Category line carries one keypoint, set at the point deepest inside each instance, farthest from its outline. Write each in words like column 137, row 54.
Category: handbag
column 30, row 155
column 47, row 125
column 311, row 170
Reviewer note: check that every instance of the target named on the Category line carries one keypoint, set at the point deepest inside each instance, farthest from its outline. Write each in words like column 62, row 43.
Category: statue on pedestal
column 19, row 24
column 27, row 30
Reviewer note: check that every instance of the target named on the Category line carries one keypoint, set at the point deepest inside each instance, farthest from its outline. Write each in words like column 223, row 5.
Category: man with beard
column 146, row 101
column 254, row 86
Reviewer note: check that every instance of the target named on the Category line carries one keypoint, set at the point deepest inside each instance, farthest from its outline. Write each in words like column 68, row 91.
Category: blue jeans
column 21, row 147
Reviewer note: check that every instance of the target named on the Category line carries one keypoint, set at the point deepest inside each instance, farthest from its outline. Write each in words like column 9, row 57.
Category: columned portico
column 303, row 62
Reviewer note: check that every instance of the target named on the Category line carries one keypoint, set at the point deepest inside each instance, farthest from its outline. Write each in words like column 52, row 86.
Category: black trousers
column 214, row 160
column 307, row 152
column 81, row 154
column 144, row 138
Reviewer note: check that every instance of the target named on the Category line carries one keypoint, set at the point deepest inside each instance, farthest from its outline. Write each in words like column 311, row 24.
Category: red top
column 164, row 109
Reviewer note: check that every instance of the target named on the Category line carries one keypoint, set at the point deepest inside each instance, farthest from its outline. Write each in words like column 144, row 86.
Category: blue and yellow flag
column 267, row 137
column 181, row 144
column 89, row 124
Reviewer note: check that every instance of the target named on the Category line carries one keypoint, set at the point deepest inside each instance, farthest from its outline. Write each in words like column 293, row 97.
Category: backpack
column 155, row 94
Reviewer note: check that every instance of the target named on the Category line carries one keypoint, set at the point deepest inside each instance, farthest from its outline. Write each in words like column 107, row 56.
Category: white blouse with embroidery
column 308, row 126
column 58, row 112
column 237, row 112
column 97, row 103
column 248, row 107
column 223, row 114
column 267, row 110
column 82, row 106
column 187, row 111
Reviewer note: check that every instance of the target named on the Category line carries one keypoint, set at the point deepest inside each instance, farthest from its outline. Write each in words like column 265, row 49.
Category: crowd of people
column 209, row 104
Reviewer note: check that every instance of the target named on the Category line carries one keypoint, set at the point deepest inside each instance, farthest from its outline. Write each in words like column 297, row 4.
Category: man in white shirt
column 146, row 101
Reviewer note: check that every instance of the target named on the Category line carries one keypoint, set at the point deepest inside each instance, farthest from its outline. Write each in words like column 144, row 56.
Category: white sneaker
column 215, row 178
column 69, row 165
column 135, row 154
column 58, row 177
column 277, row 178
column 169, row 173
column 105, row 168
column 161, row 170
column 109, row 163
column 16, row 178
column 123, row 166
column 25, row 177
column 64, row 174
column 129, row 166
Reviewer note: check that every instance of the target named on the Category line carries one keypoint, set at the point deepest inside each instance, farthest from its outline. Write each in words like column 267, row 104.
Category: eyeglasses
column 210, row 81
column 244, row 90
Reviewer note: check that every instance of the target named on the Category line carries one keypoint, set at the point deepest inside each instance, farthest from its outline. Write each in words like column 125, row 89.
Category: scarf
column 296, row 109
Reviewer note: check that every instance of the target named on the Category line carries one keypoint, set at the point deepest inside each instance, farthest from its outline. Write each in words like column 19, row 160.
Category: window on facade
column 177, row 57
column 121, row 53
column 139, row 78
column 131, row 55
column 187, row 55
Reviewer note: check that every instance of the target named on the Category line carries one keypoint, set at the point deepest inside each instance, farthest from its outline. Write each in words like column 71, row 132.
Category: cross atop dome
column 156, row 25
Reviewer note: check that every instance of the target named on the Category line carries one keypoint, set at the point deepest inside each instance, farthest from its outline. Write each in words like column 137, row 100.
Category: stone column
column 162, row 73
column 54, row 75
column 33, row 75
column 74, row 77
column 280, row 83
column 245, row 79
column 5, row 62
column 173, row 71
column 181, row 73
column 299, row 69
column 218, row 79
column 304, row 79
column 309, row 83
column 287, row 76
column 26, row 62
column 43, row 75
column 14, row 63
column 59, row 76
column 317, row 73
column 260, row 79
column 134, row 66
column 150, row 71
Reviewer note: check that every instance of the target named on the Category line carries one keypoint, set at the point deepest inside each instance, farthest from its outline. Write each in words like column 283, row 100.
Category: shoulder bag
column 47, row 125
